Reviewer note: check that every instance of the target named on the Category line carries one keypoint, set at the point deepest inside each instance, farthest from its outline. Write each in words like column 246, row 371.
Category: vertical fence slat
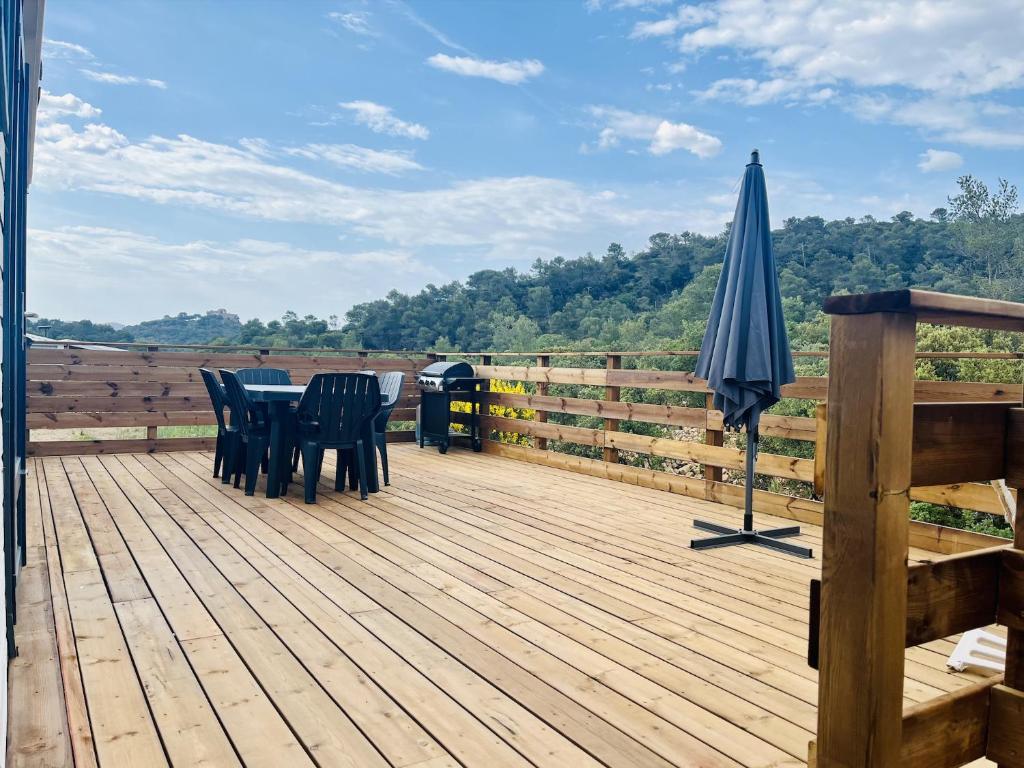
column 611, row 395
column 541, row 443
column 715, row 437
column 151, row 431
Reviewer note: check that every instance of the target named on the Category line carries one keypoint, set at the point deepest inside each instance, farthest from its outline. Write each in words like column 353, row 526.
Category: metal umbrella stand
column 745, row 354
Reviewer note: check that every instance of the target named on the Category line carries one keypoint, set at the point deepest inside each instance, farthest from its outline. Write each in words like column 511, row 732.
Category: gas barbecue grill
column 440, row 384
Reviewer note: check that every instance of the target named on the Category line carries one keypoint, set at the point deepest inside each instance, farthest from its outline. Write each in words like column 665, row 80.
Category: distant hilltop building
column 230, row 316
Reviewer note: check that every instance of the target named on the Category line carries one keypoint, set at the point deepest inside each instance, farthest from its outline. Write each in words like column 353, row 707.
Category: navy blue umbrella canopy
column 745, row 354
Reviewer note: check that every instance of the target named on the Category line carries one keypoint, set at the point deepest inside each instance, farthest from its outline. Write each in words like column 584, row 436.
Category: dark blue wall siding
column 14, row 123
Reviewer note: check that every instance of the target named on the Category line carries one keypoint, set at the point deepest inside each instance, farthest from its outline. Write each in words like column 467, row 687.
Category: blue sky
column 264, row 156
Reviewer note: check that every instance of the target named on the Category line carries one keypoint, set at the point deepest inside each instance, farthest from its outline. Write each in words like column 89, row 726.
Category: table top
column 275, row 392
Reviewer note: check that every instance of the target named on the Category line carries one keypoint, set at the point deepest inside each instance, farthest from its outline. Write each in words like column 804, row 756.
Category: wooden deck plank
column 83, row 747
column 523, row 731
column 547, row 703
column 258, row 731
column 323, row 728
column 38, row 728
column 122, row 724
column 188, row 726
column 398, row 736
column 920, row 660
column 690, row 715
column 478, row 612
column 584, row 686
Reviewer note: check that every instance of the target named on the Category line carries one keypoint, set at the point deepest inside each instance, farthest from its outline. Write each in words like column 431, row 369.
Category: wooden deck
column 478, row 612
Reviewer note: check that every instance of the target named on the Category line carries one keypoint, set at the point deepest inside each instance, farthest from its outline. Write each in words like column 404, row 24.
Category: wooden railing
column 709, row 450
column 151, row 388
column 872, row 605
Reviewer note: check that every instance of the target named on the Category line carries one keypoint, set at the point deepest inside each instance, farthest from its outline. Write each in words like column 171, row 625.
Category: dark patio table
column 278, row 398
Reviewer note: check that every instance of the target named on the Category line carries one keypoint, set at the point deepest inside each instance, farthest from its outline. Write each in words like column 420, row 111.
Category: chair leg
column 361, row 460
column 309, row 465
column 342, row 467
column 218, row 454
column 252, row 465
column 382, row 447
column 241, row 460
column 353, row 472
column 230, row 449
column 295, row 459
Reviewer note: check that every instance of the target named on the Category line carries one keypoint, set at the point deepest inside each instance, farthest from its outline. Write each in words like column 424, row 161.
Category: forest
column 655, row 298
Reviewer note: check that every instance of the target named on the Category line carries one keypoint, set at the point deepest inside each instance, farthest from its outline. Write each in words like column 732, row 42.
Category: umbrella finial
column 755, row 157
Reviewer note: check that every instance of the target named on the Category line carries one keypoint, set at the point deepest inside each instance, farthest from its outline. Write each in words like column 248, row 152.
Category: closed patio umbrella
column 745, row 354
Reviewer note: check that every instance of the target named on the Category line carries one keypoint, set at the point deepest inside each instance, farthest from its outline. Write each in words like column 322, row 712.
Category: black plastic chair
column 253, row 432
column 227, row 434
column 333, row 414
column 263, row 376
column 390, row 391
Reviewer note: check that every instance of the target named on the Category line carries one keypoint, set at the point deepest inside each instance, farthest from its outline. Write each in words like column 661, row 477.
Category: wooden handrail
column 809, row 353
column 932, row 307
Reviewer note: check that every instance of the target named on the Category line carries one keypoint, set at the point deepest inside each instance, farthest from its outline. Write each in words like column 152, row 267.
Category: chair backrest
column 243, row 410
column 216, row 393
column 335, row 406
column 263, row 376
column 390, row 391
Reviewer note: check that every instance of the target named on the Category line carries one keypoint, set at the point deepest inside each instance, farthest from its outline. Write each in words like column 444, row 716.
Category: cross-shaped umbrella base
column 730, row 536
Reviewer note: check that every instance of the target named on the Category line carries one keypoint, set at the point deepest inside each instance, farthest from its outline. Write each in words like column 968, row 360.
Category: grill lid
column 447, row 370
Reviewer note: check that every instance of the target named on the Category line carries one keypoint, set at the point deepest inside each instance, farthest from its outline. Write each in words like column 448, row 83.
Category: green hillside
column 655, row 298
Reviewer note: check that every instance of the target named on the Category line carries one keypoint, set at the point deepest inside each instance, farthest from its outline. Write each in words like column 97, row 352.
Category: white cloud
column 111, row 78
column 141, row 276
column 939, row 160
column 685, row 16
column 60, row 49
column 596, row 5
column 752, row 92
column 52, row 106
column 663, row 136
column 352, row 157
column 381, row 119
column 429, row 28
column 660, row 28
column 959, row 48
column 508, row 72
column 244, row 180
column 977, row 122
column 356, row 21
column 921, row 57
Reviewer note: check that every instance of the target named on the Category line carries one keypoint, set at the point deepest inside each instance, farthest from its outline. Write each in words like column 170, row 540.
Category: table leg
column 278, row 413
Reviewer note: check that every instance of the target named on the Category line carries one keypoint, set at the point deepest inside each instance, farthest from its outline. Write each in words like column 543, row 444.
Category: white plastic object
column 979, row 648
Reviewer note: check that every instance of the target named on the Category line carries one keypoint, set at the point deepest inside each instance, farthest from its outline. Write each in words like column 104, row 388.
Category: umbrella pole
column 748, row 494
column 747, row 535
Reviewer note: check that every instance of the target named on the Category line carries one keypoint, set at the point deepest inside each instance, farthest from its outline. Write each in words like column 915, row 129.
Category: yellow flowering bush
column 506, row 411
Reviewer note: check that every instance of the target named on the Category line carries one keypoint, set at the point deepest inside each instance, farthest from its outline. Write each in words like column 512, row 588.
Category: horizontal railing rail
column 263, row 349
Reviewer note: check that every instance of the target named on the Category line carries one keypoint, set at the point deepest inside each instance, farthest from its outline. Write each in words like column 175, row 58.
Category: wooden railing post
column 152, row 431
column 715, row 437
column 1014, row 675
column 611, row 395
column 865, row 540
column 541, row 443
